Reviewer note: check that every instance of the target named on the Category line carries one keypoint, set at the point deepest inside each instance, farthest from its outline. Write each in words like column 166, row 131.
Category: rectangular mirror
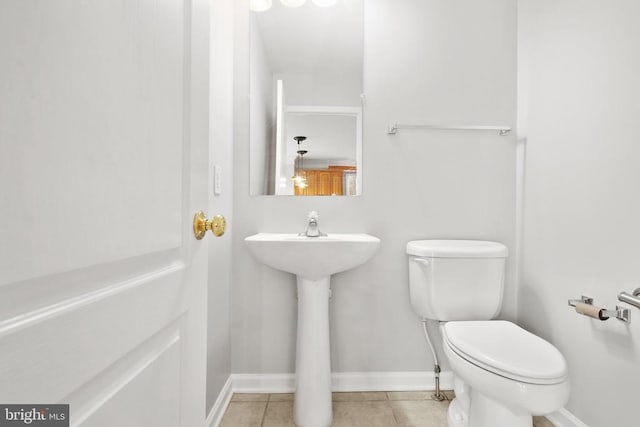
column 306, row 97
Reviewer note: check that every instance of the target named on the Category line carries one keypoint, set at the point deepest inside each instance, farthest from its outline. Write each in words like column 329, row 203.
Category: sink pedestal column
column 313, row 360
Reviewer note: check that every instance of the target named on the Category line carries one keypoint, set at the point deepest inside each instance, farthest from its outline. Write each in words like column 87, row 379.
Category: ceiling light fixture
column 260, row 5
column 324, row 3
column 299, row 177
column 293, row 3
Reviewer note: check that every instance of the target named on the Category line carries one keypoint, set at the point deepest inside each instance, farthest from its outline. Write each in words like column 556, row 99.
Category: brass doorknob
column 201, row 224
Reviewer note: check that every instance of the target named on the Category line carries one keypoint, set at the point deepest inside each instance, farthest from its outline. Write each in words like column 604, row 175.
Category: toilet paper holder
column 585, row 306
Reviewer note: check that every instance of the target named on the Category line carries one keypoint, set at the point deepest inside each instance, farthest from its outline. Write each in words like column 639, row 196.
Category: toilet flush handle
column 422, row 261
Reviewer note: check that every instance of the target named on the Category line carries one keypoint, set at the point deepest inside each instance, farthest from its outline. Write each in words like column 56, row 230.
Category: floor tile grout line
column 264, row 413
column 393, row 413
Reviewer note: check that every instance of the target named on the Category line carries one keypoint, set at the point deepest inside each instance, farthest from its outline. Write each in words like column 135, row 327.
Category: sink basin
column 313, row 260
column 312, row 257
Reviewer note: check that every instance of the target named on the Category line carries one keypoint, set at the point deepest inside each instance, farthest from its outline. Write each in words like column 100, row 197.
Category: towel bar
column 634, row 299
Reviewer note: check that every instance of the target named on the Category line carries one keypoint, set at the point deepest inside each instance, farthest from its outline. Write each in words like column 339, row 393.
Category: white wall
column 425, row 61
column 262, row 87
column 582, row 206
column 221, row 134
column 341, row 89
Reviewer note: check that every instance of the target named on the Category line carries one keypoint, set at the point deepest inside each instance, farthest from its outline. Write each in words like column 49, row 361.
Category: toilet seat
column 505, row 349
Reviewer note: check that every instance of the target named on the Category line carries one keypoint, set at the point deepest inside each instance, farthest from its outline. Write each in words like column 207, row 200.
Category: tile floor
column 368, row 409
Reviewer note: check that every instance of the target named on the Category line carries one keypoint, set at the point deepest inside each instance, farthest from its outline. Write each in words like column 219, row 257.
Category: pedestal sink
column 313, row 260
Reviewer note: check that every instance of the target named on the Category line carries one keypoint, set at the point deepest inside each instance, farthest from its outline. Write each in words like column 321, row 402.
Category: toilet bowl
column 503, row 374
column 508, row 373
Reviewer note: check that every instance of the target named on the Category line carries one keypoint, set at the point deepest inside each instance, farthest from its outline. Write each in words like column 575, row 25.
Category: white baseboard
column 221, row 403
column 345, row 381
column 263, row 383
column 390, row 381
column 564, row 418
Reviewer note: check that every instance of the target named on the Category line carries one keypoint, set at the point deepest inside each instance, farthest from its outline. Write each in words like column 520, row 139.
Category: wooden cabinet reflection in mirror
column 332, row 181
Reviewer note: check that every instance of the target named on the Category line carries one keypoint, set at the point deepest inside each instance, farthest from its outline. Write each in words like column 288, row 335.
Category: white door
column 103, row 162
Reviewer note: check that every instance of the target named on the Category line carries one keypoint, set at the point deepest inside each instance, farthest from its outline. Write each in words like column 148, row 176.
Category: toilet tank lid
column 457, row 249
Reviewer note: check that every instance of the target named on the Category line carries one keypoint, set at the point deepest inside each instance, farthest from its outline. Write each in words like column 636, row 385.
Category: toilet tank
column 456, row 279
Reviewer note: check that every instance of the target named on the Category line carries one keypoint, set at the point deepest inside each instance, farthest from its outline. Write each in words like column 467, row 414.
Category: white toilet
column 503, row 374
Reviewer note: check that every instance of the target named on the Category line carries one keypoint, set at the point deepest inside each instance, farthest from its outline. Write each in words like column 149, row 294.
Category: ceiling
column 329, row 137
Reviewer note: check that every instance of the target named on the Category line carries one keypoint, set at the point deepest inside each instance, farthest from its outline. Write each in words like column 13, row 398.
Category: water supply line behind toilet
column 438, row 395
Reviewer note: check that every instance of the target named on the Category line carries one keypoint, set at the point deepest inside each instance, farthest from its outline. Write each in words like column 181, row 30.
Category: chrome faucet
column 312, row 226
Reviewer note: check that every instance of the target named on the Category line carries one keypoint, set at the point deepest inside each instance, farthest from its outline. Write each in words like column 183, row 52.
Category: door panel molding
column 74, row 346
column 67, row 305
column 90, row 397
